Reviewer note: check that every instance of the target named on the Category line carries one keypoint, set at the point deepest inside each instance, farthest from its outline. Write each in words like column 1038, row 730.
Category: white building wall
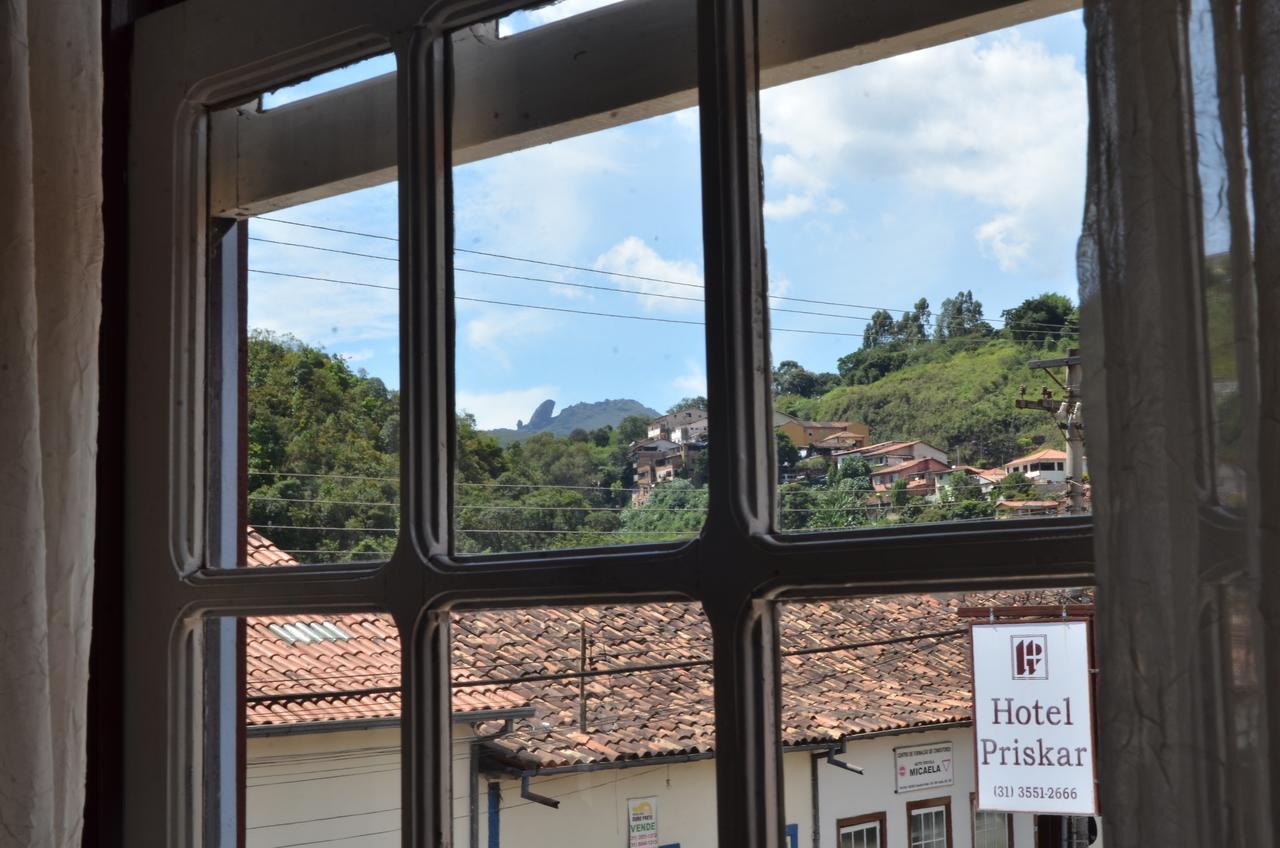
column 343, row 789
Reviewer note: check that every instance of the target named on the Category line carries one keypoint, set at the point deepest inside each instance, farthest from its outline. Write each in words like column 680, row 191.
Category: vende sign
column 642, row 822
column 1033, row 718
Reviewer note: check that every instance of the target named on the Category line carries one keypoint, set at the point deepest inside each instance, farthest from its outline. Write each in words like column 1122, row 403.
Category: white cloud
column 361, row 355
column 997, row 120
column 693, row 383
column 541, row 201
column 502, row 409
column 632, row 256
column 790, row 206
column 496, row 333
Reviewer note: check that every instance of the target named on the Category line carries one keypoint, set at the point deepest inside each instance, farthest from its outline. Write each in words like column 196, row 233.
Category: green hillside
column 959, row 397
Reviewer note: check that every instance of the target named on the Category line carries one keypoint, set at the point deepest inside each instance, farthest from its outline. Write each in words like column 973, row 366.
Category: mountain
column 578, row 416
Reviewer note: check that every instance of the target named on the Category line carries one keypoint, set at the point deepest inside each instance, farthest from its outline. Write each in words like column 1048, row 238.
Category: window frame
column 973, row 820
column 913, row 807
column 189, row 59
column 879, row 818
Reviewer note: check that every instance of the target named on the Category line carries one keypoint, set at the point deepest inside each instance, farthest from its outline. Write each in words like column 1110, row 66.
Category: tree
column 796, row 505
column 633, row 428
column 813, row 466
column 688, row 403
column 961, row 316
column 879, row 330
column 1015, row 486
column 913, row 327
column 856, row 471
column 790, row 378
column 1042, row 319
column 788, row 453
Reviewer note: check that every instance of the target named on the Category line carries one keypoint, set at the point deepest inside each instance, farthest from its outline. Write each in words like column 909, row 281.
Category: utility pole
column 1068, row 412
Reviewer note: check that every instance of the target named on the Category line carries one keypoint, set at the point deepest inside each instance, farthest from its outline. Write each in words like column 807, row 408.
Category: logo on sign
column 1030, row 657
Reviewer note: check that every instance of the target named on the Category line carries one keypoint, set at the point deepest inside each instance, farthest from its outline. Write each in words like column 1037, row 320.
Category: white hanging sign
column 1033, row 718
column 642, row 822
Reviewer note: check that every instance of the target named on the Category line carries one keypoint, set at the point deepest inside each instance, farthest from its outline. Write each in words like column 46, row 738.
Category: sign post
column 642, row 822
column 1033, row 717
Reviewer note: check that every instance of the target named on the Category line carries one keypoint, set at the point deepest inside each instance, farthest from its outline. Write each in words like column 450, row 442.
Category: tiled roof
column 993, row 475
column 833, row 686
column 1043, row 454
column 839, row 438
column 914, row 466
column 1026, row 504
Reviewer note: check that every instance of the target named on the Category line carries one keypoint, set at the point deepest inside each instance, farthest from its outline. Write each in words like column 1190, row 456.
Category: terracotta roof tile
column 837, row 691
column 1044, row 453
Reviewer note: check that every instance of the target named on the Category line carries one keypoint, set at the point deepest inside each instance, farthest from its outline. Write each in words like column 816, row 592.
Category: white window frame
column 916, row 809
column 193, row 58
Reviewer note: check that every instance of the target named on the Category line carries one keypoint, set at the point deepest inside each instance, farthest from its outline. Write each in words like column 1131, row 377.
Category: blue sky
column 959, row 167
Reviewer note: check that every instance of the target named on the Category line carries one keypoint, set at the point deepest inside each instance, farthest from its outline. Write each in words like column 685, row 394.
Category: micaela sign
column 1033, row 717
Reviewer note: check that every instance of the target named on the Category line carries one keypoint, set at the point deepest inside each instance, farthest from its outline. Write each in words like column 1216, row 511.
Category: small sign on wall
column 1033, row 717
column 924, row 766
column 642, row 822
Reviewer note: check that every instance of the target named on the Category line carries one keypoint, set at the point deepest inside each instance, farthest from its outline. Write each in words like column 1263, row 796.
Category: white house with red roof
column 885, row 454
column 1047, row 465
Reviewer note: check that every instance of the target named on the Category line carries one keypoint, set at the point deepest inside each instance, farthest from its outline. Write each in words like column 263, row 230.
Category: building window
column 991, row 829
column 861, row 831
column 929, row 823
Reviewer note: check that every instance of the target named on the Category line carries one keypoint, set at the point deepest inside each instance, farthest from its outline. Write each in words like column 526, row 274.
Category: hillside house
column 664, row 427
column 1046, row 465
column 658, row 461
column 893, row 453
column 693, row 431
column 805, row 434
column 532, row 767
column 986, row 478
column 1023, row 508
column 841, row 441
column 922, row 475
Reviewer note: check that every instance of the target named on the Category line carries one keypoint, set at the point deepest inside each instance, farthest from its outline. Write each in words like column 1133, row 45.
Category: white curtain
column 50, row 278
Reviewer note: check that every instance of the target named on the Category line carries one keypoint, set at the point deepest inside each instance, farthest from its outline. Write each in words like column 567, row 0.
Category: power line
column 584, row 269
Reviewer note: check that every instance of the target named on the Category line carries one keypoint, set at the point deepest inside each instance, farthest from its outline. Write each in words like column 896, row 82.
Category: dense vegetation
column 324, row 441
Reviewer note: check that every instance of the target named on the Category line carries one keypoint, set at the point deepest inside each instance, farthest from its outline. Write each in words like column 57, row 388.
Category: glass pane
column 322, row 376
column 580, row 358
column 584, row 726
column 921, row 215
column 1227, row 246
column 321, row 717
column 884, row 684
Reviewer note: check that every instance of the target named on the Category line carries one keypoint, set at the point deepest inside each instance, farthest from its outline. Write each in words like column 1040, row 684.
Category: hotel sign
column 924, row 766
column 1033, row 718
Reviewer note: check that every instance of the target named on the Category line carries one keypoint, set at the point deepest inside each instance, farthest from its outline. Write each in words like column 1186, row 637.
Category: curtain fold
column 50, row 279
column 1180, row 292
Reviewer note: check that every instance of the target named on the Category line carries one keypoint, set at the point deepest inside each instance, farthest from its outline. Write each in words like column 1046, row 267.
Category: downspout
column 473, row 799
column 813, row 800
column 495, row 806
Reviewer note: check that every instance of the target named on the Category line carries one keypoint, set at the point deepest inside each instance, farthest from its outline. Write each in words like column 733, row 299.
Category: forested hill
column 959, row 397
column 324, row 466
column 950, row 379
